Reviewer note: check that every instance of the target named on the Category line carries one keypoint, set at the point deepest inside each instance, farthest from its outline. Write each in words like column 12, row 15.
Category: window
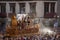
column 52, row 7
column 2, row 7
column 12, row 7
column 49, row 7
column 33, row 7
column 46, row 7
column 22, row 8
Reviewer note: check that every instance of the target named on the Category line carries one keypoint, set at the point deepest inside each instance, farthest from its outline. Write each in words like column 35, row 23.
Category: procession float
column 22, row 27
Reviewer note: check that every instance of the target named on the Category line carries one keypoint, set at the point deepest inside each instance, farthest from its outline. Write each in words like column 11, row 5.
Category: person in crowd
column 3, row 26
column 52, row 37
column 55, row 24
column 40, row 37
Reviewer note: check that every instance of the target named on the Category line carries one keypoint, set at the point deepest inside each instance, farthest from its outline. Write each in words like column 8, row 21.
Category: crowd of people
column 33, row 37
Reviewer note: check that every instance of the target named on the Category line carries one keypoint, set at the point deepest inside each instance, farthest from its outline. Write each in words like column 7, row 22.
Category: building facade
column 42, row 8
column 58, row 8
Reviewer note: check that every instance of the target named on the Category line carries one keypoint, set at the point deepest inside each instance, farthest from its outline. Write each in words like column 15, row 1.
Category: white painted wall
column 40, row 9
column 56, row 7
column 7, row 8
column 17, row 8
column 27, row 8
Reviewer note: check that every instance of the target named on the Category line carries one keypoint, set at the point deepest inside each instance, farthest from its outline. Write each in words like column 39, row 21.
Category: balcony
column 50, row 15
column 3, row 15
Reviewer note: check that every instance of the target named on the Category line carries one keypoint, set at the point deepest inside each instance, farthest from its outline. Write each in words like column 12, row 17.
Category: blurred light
column 47, row 31
column 57, row 16
column 49, row 19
